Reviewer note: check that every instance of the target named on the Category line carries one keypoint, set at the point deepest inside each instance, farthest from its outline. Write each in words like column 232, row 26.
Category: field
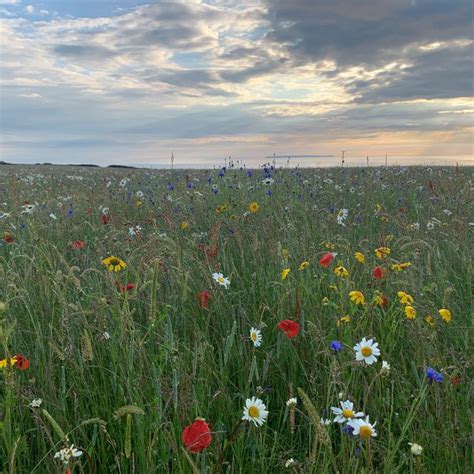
column 118, row 356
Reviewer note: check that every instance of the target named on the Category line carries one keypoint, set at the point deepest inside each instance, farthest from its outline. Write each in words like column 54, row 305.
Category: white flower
column 346, row 412
column 139, row 194
column 342, row 216
column 290, row 463
column 134, row 231
column 106, row 335
column 291, row 402
column 123, row 182
column 268, row 181
column 35, row 403
column 385, row 370
column 367, row 351
column 430, row 225
column 53, row 217
column 255, row 411
column 415, row 449
column 28, row 208
column 448, row 213
column 66, row 454
column 325, row 422
column 256, row 337
column 363, row 428
column 4, row 215
column 415, row 226
column 223, row 281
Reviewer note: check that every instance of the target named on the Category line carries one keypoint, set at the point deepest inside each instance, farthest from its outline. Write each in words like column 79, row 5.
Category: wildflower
column 341, row 271
column 398, row 267
column 125, row 288
column 430, row 320
column 197, row 436
column 8, row 238
column 28, row 208
column 363, row 428
column 367, row 351
column 346, row 412
column 303, row 265
column 385, row 370
column 78, row 244
column 285, row 253
column 410, row 312
column 445, row 315
column 405, row 298
column 291, row 402
column 336, row 346
column 106, row 335
column 35, row 403
column 325, row 301
column 256, row 337
column 342, row 216
column 114, row 264
column 139, row 194
column 21, row 362
column 343, row 320
column 203, row 299
column 285, row 272
column 254, row 207
column 357, row 297
column 360, row 257
column 135, row 231
column 378, row 273
column 327, row 259
column 325, row 422
column 184, row 225
column 430, row 225
column 255, row 411
column 66, row 454
column 415, row 449
column 289, row 327
column 223, row 281
column 379, row 299
column 382, row 252
column 290, row 463
column 433, row 375
column 105, row 218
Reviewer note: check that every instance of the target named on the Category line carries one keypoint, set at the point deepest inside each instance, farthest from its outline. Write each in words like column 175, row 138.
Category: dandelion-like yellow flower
column 343, row 320
column 430, row 320
column 445, row 315
column 378, row 299
column 382, row 252
column 184, row 225
column 303, row 265
column 360, row 257
column 357, row 297
column 410, row 312
column 405, row 298
column 285, row 272
column 254, row 207
column 330, row 245
column 325, row 301
column 398, row 267
column 114, row 264
column 341, row 272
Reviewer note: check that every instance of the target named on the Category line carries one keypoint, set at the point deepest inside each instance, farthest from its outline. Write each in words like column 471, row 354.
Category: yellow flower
column 254, row 207
column 360, row 257
column 184, row 225
column 410, row 312
column 405, row 298
column 389, row 237
column 330, row 245
column 3, row 363
column 343, row 320
column 285, row 272
column 114, row 264
column 138, row 203
column 285, row 253
column 384, row 219
column 341, row 271
column 357, row 297
column 430, row 320
column 325, row 301
column 398, row 267
column 303, row 265
column 382, row 252
column 378, row 299
column 333, row 287
column 445, row 315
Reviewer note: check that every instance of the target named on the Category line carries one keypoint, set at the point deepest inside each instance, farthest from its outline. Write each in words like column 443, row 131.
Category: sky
column 130, row 82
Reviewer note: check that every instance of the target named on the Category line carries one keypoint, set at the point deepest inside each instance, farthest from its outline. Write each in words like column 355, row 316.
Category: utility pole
column 342, row 159
column 172, row 160
column 367, row 160
column 386, row 160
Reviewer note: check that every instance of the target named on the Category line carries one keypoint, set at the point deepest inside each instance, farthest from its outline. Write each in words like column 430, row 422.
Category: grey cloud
column 84, row 52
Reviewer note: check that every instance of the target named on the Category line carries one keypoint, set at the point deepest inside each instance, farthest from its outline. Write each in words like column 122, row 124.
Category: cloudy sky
column 127, row 81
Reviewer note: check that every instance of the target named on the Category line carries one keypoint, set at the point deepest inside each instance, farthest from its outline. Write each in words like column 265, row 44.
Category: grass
column 121, row 375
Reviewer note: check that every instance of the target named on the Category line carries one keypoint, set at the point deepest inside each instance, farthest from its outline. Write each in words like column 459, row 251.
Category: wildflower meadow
column 235, row 320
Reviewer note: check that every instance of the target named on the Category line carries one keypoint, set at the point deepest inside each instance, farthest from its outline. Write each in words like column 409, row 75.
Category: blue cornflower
column 269, row 192
column 439, row 377
column 347, row 429
column 433, row 375
column 249, row 174
column 336, row 346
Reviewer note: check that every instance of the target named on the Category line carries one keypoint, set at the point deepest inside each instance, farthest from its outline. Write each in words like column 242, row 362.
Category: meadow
column 235, row 321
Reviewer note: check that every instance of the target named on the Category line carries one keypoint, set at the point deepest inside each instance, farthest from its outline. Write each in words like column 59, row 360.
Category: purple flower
column 336, row 346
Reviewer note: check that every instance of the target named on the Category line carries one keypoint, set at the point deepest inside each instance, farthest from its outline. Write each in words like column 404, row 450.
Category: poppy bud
column 378, row 273
column 289, row 327
column 197, row 436
column 203, row 299
column 326, row 259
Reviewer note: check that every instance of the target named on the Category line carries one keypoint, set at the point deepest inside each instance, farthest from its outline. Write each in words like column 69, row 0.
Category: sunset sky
column 123, row 81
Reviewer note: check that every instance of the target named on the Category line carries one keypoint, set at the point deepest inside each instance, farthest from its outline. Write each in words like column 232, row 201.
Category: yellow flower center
column 365, row 432
column 253, row 412
column 114, row 261
column 347, row 413
column 221, row 279
column 253, row 336
column 366, row 351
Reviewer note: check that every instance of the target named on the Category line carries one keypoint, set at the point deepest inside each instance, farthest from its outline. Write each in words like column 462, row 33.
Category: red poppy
column 385, row 301
column 455, row 380
column 78, row 244
column 197, row 436
column 22, row 363
column 326, row 259
column 105, row 218
column 8, row 238
column 203, row 299
column 378, row 273
column 289, row 327
column 124, row 288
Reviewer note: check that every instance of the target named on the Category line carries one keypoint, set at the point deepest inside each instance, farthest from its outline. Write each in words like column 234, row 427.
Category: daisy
column 382, row 252
column 35, row 403
column 255, row 411
column 363, row 428
column 223, row 281
column 114, row 264
column 385, row 370
column 303, row 265
column 254, row 207
column 367, row 351
column 415, row 449
column 405, row 298
column 346, row 412
column 360, row 257
column 341, row 271
column 357, row 297
column 256, row 337
column 410, row 312
column 291, row 402
column 66, row 454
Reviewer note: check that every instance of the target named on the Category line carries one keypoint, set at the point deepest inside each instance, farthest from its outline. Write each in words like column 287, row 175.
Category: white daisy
column 363, row 428
column 223, row 281
column 256, row 337
column 139, row 194
column 291, row 402
column 385, row 370
column 35, row 403
column 255, row 411
column 66, row 454
column 367, row 351
column 346, row 412
column 415, row 449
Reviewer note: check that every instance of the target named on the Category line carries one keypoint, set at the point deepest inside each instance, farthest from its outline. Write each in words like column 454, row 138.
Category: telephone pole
column 342, row 159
